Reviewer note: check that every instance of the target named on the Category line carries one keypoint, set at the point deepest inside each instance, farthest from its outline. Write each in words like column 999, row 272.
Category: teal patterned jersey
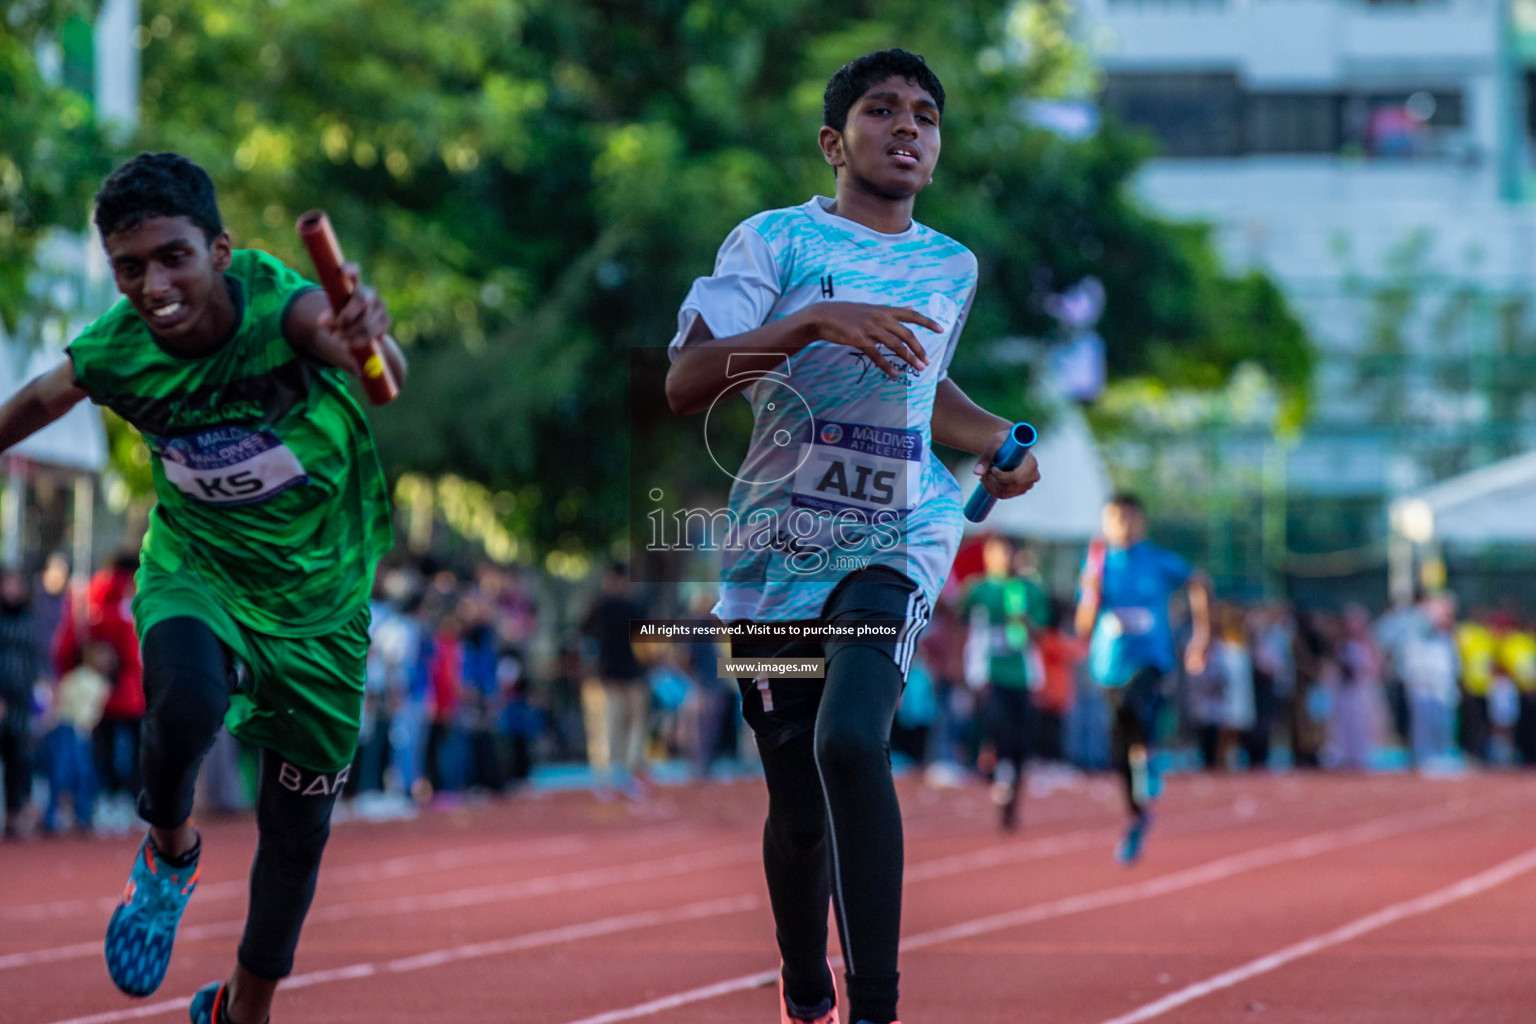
column 840, row 472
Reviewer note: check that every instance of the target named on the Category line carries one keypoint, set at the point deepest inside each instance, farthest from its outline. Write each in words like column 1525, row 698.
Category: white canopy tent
column 1488, row 505
column 1073, row 487
column 1491, row 505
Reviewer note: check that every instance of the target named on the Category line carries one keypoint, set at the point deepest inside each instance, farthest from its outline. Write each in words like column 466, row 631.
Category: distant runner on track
column 1127, row 582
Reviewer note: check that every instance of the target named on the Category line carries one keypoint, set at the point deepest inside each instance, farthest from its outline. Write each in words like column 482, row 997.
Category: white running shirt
column 840, row 472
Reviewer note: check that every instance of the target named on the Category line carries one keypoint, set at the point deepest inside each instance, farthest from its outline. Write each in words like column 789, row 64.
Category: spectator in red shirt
column 445, row 688
column 1060, row 655
column 103, row 614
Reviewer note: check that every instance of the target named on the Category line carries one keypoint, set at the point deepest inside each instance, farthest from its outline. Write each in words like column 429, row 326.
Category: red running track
column 1295, row 898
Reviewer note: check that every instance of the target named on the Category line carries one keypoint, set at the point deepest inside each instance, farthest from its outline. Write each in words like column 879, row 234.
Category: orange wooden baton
column 325, row 252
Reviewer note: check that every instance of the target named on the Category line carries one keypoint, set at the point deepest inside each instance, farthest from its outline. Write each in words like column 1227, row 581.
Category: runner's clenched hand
column 1006, row 483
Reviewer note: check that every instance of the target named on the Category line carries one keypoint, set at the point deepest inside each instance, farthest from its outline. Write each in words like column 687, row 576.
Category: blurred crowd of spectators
column 71, row 697
column 472, row 681
column 474, row 676
column 1420, row 686
column 478, row 675
column 1341, row 690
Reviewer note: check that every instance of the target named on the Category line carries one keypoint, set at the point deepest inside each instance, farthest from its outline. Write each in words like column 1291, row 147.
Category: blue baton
column 1021, row 437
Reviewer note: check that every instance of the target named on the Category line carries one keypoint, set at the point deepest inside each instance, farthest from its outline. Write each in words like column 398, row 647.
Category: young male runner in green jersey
column 252, row 603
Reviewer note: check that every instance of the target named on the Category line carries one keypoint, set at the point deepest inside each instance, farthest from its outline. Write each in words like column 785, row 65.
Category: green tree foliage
column 535, row 183
column 51, row 152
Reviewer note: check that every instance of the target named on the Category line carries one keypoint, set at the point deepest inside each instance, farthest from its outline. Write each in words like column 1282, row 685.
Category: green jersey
column 268, row 483
column 1005, row 607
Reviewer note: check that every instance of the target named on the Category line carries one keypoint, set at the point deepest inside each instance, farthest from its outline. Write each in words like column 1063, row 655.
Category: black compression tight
column 188, row 679
column 834, row 832
column 293, row 821
column 1135, row 707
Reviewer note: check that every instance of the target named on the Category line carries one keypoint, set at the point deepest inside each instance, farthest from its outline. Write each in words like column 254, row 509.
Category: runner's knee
column 854, row 727
column 799, row 827
column 186, row 684
column 298, row 838
column 797, row 819
column 845, row 749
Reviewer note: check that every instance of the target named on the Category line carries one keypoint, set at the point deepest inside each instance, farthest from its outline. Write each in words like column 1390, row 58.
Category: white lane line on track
column 526, row 888
column 471, row 951
column 1467, row 887
column 694, row 995
column 394, row 867
column 939, row 867
column 1202, row 874
column 489, row 853
column 942, row 867
column 1216, row 870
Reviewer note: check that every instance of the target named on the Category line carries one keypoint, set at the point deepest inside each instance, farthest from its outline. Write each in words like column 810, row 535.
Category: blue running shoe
column 1129, row 850
column 205, row 1007
column 143, row 926
column 1157, row 765
column 211, row 1004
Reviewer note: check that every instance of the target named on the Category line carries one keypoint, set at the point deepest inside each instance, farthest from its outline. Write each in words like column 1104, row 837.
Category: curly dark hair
column 158, row 185
column 854, row 79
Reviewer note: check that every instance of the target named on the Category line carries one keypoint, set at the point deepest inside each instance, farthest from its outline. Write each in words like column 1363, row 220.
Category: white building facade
column 1371, row 156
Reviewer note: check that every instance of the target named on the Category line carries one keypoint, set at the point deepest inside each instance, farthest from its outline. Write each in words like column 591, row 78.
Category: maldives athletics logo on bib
column 860, row 467
column 230, row 465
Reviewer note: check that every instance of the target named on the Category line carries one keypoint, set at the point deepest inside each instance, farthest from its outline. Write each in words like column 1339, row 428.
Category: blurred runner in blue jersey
column 1127, row 582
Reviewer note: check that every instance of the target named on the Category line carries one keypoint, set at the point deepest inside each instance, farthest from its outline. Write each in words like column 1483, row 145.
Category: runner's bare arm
column 1087, row 612
column 1200, row 624
column 960, row 423
column 312, row 328
column 700, row 372
column 43, row 400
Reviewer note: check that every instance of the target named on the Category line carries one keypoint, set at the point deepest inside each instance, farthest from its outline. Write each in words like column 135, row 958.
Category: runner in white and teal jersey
column 271, row 513
column 837, row 319
column 862, row 440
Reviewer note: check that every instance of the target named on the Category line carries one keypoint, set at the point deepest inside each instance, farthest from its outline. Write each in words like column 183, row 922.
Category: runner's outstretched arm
column 960, row 423
column 43, row 400
column 311, row 327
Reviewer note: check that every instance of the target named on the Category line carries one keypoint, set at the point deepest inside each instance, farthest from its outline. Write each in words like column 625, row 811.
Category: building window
column 1190, row 114
column 1212, row 114
column 1281, row 122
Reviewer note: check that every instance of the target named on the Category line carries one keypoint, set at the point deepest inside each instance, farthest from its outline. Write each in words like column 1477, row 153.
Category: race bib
column 1132, row 621
column 230, row 465
column 856, row 466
